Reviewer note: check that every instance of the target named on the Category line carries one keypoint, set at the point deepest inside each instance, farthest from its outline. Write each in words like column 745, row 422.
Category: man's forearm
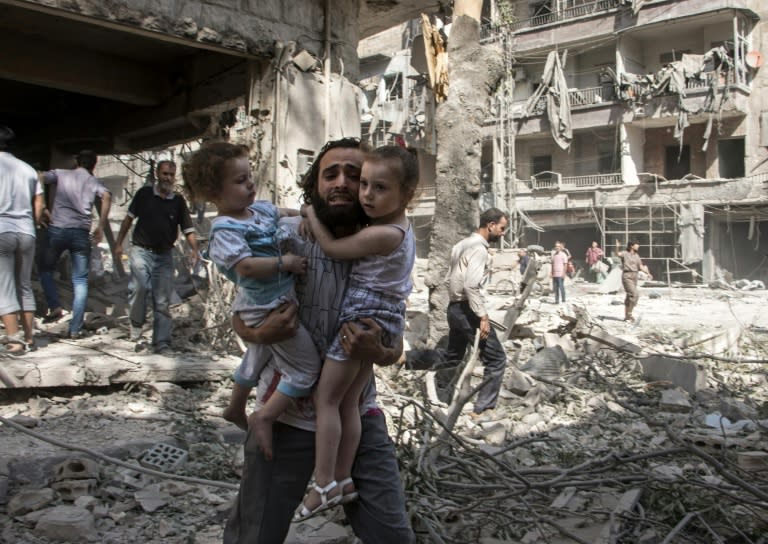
column 192, row 241
column 106, row 203
column 124, row 227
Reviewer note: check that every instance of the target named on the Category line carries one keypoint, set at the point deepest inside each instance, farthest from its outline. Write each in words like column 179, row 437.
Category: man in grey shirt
column 71, row 195
column 467, row 310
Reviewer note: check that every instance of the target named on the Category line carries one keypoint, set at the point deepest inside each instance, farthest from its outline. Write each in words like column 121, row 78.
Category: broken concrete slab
column 674, row 400
column 90, row 362
column 687, row 375
column 603, row 337
column 714, row 342
column 752, row 461
column 30, row 500
column 69, row 523
column 547, row 363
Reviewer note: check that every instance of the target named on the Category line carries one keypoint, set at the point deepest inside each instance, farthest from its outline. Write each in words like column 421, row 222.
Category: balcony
column 565, row 15
column 590, row 96
column 554, row 181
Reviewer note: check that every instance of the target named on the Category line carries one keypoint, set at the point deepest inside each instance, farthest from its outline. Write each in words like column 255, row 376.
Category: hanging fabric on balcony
column 555, row 89
column 690, row 223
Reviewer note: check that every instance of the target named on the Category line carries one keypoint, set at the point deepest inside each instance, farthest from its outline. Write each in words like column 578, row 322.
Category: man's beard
column 493, row 238
column 164, row 187
column 341, row 216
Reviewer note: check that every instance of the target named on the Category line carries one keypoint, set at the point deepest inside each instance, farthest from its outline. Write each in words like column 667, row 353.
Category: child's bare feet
column 261, row 428
column 237, row 417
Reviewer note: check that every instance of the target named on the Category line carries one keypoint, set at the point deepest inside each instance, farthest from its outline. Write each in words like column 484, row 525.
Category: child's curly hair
column 203, row 169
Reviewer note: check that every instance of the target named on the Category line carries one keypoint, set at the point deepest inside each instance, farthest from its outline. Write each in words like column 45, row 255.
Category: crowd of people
column 321, row 295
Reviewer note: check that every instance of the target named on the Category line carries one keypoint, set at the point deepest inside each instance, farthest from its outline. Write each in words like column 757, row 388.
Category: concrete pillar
column 632, row 153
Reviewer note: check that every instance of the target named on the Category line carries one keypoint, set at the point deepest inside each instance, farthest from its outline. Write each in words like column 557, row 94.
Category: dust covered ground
column 583, row 450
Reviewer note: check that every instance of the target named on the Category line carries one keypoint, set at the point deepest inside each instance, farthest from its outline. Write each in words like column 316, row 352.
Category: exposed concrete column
column 632, row 152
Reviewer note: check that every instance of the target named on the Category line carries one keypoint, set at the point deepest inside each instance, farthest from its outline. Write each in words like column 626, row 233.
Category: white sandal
column 304, row 513
column 347, row 497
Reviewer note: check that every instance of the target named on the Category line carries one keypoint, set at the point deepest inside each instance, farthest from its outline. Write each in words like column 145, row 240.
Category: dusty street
column 123, row 422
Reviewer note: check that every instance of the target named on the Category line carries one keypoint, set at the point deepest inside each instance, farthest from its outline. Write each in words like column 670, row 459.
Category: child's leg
column 335, row 379
column 246, row 377
column 261, row 421
column 235, row 411
column 350, row 423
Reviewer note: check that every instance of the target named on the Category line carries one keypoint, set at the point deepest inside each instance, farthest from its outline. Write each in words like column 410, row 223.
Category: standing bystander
column 70, row 198
column 559, row 266
column 467, row 309
column 21, row 206
column 160, row 213
column 594, row 258
column 631, row 265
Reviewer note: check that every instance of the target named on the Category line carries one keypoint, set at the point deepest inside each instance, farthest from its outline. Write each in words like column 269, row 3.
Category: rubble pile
column 605, row 431
column 596, row 439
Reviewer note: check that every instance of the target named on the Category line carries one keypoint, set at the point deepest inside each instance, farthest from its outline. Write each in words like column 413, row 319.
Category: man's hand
column 362, row 341
column 280, row 324
column 97, row 235
column 485, row 327
column 193, row 258
column 294, row 263
column 45, row 218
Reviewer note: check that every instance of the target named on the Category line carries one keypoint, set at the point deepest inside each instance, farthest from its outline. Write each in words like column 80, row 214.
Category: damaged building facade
column 617, row 120
column 644, row 121
column 129, row 76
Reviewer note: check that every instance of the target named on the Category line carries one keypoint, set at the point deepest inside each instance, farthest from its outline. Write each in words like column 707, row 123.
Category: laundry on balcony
column 555, row 88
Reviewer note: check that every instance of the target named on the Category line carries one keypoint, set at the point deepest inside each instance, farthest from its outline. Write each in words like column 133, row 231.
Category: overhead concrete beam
column 78, row 70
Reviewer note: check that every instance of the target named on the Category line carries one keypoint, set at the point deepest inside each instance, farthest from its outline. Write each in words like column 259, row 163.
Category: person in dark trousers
column 524, row 258
column 160, row 213
column 467, row 307
column 270, row 491
column 71, row 196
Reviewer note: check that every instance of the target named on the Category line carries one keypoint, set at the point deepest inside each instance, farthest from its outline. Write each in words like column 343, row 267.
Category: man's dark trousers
column 463, row 324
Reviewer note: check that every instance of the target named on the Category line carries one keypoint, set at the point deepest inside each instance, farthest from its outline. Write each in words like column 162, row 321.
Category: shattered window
column 540, row 7
column 673, row 56
column 730, row 157
column 542, row 163
column 394, row 86
column 678, row 162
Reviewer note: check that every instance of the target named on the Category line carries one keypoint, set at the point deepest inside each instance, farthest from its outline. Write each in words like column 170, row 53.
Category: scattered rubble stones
column 571, row 397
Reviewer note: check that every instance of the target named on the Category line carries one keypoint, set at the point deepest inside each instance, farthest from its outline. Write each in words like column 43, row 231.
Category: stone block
column 674, row 400
column 69, row 490
column 30, row 500
column 680, row 373
column 77, row 469
column 68, row 523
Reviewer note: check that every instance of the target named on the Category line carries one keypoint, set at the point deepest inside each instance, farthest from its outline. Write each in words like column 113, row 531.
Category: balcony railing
column 580, row 97
column 556, row 181
column 697, row 84
column 591, row 8
column 593, row 180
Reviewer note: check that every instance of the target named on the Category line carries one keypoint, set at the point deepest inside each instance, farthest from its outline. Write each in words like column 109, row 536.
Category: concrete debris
column 68, row 523
column 593, row 412
column 679, row 373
